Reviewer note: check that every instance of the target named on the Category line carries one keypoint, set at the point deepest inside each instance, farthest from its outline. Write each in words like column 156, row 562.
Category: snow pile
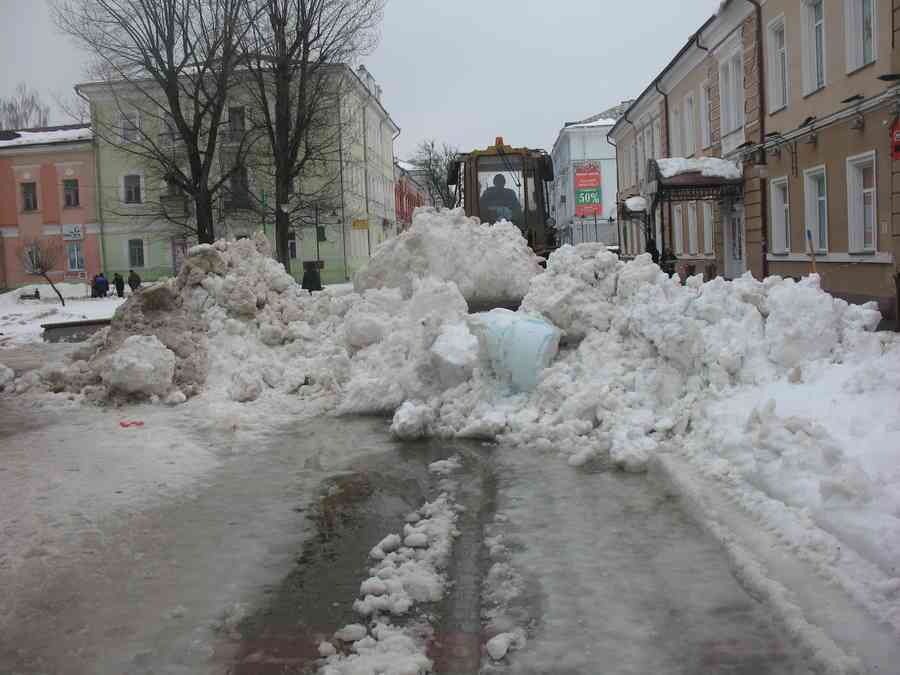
column 710, row 167
column 68, row 134
column 142, row 365
column 409, row 570
column 488, row 263
column 636, row 204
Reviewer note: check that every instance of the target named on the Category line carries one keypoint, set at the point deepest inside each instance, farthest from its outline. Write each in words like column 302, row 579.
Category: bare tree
column 297, row 54
column 433, row 161
column 39, row 257
column 168, row 67
column 23, row 110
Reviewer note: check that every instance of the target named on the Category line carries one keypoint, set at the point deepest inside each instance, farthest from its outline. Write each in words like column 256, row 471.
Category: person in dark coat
column 119, row 283
column 652, row 250
column 95, row 289
column 134, row 281
column 102, row 285
column 311, row 279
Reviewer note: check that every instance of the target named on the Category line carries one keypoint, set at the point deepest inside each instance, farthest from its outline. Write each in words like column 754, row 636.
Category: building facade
column 801, row 95
column 347, row 207
column 47, row 198
column 408, row 194
column 583, row 192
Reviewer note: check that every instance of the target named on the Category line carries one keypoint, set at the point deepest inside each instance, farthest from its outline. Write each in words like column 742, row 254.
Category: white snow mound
column 142, row 365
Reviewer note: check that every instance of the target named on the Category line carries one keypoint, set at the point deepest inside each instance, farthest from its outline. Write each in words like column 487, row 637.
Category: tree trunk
column 204, row 210
column 282, row 231
column 55, row 289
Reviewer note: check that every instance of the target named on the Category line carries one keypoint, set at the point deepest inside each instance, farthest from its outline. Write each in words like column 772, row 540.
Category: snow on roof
column 711, row 167
column 595, row 123
column 407, row 166
column 636, row 204
column 66, row 134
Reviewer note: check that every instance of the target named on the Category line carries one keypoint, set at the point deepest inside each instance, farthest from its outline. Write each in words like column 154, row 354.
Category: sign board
column 71, row 232
column 588, row 201
column 362, row 224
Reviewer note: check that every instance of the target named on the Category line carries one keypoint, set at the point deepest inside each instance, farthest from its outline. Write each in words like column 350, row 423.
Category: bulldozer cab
column 506, row 183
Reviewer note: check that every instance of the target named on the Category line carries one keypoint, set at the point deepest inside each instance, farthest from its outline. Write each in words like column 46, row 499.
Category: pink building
column 47, row 194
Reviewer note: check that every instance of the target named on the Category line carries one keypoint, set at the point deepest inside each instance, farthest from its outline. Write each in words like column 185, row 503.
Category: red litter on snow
column 131, row 423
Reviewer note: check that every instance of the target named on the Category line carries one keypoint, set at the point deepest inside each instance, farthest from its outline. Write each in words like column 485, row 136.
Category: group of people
column 100, row 284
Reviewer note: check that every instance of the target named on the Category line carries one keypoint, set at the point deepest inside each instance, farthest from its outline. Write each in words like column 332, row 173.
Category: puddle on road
column 355, row 510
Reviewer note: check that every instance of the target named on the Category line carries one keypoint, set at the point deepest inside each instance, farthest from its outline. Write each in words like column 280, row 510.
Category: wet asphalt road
column 263, row 559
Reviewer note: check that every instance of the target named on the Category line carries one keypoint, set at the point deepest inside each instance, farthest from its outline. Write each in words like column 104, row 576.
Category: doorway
column 734, row 242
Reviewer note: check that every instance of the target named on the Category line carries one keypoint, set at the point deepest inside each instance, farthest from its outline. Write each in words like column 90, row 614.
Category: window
column 859, row 29
column 780, row 236
column 167, row 131
column 648, row 143
column 862, row 204
column 814, row 46
column 131, row 127
column 676, row 132
column 135, row 252
column 707, row 228
column 29, row 197
column 642, row 156
column 816, row 190
column 75, row 256
column 236, row 122
column 678, row 230
column 659, row 227
column 70, row 193
column 657, row 138
column 689, row 141
column 238, row 196
column 131, row 185
column 778, row 66
column 731, row 91
column 705, row 116
column 692, row 228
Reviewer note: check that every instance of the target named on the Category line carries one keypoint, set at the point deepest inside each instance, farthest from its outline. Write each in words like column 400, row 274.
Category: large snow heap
column 490, row 264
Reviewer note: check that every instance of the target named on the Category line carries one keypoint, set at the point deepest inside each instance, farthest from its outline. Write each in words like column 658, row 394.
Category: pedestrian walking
column 102, row 285
column 119, row 283
column 134, row 281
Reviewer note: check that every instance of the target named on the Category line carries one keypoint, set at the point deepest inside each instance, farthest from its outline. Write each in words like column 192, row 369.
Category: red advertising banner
column 588, row 200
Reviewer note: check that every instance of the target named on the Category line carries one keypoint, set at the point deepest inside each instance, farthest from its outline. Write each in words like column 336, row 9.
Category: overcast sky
column 463, row 71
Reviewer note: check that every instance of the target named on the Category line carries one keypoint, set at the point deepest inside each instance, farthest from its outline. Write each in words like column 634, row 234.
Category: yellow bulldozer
column 502, row 182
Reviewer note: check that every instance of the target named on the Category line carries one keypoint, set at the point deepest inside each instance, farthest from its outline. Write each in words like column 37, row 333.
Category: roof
column 595, row 123
column 69, row 133
column 407, row 166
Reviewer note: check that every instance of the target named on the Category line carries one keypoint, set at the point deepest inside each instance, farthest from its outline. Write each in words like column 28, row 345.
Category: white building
column 584, row 164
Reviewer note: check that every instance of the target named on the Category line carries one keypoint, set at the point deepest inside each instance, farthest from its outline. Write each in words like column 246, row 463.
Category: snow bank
column 488, row 263
column 711, row 167
column 142, row 365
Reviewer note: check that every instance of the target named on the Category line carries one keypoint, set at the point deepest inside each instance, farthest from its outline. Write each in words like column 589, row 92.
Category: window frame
column 689, row 129
column 708, row 233
column 811, row 206
column 675, row 126
column 810, row 53
column 780, row 231
column 705, row 117
column 125, row 118
column 36, row 205
column 854, row 31
column 781, row 84
column 732, row 97
column 131, row 261
column 856, row 237
column 124, row 195
column 79, row 256
column 66, row 192
column 692, row 245
column 678, row 229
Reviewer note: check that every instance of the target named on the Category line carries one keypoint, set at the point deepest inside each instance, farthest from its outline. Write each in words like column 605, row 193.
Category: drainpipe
column 662, row 230
column 98, row 201
column 344, row 233
column 611, row 141
column 763, row 201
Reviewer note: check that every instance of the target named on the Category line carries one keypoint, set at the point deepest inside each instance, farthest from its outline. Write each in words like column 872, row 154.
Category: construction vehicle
column 502, row 182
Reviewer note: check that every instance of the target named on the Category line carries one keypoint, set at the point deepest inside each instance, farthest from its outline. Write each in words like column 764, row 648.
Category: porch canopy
column 676, row 179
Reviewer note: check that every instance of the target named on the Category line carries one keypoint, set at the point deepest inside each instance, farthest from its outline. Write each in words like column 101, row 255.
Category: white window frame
column 779, row 82
column 705, row 119
column 79, row 256
column 810, row 58
column 811, row 200
column 780, row 216
column 708, row 243
column 143, row 252
column 675, row 126
column 853, row 33
column 690, row 129
column 678, row 229
column 659, row 228
column 642, row 155
column 140, row 175
column 732, row 97
column 657, row 138
column 692, row 228
column 855, row 203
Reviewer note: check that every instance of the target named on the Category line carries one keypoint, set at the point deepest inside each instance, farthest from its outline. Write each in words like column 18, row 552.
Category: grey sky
column 463, row 71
